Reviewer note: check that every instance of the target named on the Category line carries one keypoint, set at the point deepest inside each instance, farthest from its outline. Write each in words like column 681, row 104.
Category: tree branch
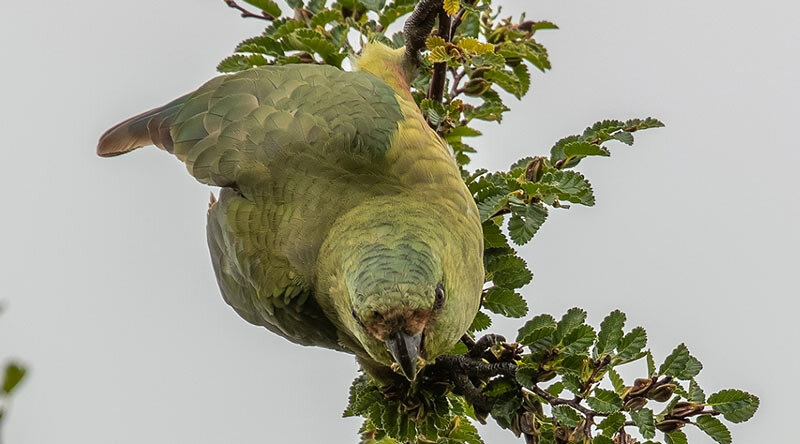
column 248, row 14
column 436, row 88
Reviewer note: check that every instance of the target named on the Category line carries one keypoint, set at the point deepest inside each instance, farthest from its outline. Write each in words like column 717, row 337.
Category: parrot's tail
column 148, row 128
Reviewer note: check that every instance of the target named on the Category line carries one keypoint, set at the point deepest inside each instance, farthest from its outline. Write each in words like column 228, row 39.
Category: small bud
column 662, row 393
column 670, row 425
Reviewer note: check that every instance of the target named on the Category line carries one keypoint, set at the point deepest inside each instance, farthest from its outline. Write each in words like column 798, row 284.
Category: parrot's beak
column 405, row 350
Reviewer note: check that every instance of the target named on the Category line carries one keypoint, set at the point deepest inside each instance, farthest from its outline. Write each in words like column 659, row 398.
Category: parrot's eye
column 439, row 297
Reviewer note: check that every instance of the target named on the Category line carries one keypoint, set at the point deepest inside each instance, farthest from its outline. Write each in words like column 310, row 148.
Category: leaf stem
column 248, row 14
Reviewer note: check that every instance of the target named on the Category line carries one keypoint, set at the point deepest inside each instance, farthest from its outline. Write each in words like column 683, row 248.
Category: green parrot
column 342, row 220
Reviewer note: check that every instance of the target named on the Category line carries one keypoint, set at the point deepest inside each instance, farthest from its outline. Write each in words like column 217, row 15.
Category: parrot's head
column 400, row 310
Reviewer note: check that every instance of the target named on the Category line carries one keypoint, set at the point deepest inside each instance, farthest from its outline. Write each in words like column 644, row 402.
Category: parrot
column 342, row 219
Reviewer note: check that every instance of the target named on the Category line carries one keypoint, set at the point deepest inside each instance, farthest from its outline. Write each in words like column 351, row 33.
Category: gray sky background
column 109, row 290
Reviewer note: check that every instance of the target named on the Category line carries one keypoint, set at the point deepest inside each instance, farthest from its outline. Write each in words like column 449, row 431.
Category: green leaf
column 644, row 420
column 481, row 322
column 373, row 5
column 505, row 79
column 322, row 18
column 572, row 319
column 491, row 205
column 680, row 364
column 555, row 389
column 651, row 365
column 506, row 302
column 451, row 7
column 610, row 333
column 624, row 137
column 391, row 14
column 14, row 373
column 363, row 395
column 573, row 383
column 605, row 401
column 714, row 428
column 676, row 437
column 581, row 148
column 568, row 185
column 617, row 382
column 268, row 6
column 459, row 349
column 602, row 439
column 461, row 131
column 696, row 394
column 567, row 416
column 509, row 271
column 640, row 124
column 579, row 340
column 261, row 45
column 539, row 322
column 464, row 432
column 493, row 237
column 631, row 344
column 523, row 77
column 735, row 405
column 612, row 423
column 526, row 221
column 238, row 62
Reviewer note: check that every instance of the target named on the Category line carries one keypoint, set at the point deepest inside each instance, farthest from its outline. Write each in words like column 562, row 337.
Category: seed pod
column 662, row 393
column 634, row 403
column 684, row 409
column 640, row 386
column 535, row 169
column 476, row 87
column 670, row 425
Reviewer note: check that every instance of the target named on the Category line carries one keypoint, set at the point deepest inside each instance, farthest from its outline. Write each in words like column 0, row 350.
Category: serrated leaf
column 676, row 437
column 268, row 6
column 612, row 423
column 506, row 80
column 680, row 364
column 696, row 393
column 239, row 62
column 493, row 237
column 322, row 18
column 579, row 340
column 735, row 405
column 464, row 432
column 434, row 41
column 567, row 416
column 481, row 322
column 624, row 137
column 714, row 428
column 543, row 24
column 373, row 5
column 567, row 185
column 506, row 302
column 262, row 45
column 524, row 78
column 651, row 364
column 604, row 401
column 581, row 148
column 474, row 46
column 610, row 333
column 14, row 373
column 573, row 383
column 631, row 344
column 572, row 319
column 461, row 131
column 451, row 7
column 617, row 382
column 640, row 124
column 526, row 221
column 644, row 420
column 602, row 439
column 509, row 271
column 542, row 321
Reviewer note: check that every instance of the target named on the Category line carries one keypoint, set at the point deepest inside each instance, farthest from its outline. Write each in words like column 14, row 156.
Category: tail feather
column 148, row 128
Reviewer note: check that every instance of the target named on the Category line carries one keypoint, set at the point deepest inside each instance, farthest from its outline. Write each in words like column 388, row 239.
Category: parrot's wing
column 289, row 145
column 233, row 129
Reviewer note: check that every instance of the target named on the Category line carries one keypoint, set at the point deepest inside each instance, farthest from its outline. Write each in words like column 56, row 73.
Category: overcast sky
column 108, row 285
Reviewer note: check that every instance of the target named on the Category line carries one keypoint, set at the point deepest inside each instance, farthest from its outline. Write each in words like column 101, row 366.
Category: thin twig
column 436, row 89
column 247, row 14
